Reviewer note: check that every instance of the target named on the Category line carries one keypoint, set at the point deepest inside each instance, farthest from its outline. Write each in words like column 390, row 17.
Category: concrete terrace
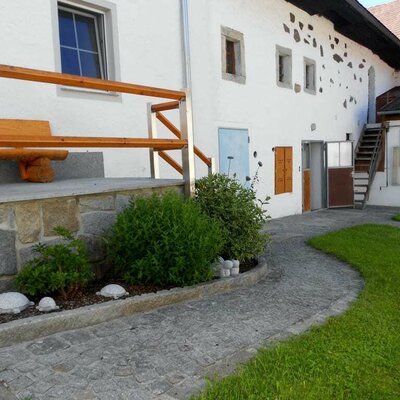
column 166, row 354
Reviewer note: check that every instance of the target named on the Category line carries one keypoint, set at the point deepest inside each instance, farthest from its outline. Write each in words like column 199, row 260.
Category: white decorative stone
column 235, row 271
column 114, row 291
column 227, row 264
column 236, row 263
column 13, row 303
column 47, row 304
column 225, row 273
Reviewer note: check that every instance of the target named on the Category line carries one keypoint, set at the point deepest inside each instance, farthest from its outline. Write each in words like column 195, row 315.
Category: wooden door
column 340, row 163
column 306, row 190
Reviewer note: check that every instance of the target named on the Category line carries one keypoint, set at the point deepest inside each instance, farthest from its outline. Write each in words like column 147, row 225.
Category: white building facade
column 270, row 83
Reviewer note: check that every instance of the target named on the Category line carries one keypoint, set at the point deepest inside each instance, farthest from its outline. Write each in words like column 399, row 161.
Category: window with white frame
column 82, row 42
column 284, row 67
column 310, row 76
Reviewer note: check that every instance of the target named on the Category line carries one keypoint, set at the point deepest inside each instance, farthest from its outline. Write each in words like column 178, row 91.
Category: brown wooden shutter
column 279, row 170
column 288, row 169
column 230, row 57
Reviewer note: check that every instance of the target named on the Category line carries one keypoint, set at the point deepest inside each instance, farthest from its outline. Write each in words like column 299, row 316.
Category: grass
column 396, row 218
column 354, row 356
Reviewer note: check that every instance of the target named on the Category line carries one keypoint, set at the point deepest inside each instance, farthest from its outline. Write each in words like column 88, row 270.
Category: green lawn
column 354, row 356
column 396, row 217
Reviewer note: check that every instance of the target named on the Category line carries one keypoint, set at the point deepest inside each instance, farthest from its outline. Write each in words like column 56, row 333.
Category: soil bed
column 89, row 297
column 86, row 297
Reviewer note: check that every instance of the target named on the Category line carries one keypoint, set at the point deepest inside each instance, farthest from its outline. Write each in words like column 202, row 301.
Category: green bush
column 164, row 240
column 61, row 268
column 237, row 209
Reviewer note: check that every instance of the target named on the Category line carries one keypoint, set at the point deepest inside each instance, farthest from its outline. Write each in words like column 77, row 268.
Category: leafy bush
column 164, row 240
column 59, row 268
column 235, row 206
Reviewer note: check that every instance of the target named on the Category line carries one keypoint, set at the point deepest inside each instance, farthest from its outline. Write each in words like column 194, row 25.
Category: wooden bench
column 34, row 164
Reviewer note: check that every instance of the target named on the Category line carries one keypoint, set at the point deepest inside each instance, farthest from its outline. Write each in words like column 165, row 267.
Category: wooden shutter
column 230, row 57
column 288, row 169
column 279, row 170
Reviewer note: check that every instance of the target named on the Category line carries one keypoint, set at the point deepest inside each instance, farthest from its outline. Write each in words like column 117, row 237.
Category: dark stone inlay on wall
column 286, row 28
column 355, row 77
column 321, row 90
column 315, row 43
column 351, row 99
column 364, row 60
column 321, row 49
column 331, row 80
column 310, row 27
column 301, row 25
column 345, row 104
column 360, row 79
column 337, row 58
column 361, row 66
column 336, row 40
column 323, row 66
column 292, row 17
column 296, row 36
column 350, row 64
column 306, row 41
column 332, row 46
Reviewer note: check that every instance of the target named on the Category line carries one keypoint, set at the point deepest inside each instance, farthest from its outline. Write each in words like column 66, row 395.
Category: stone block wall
column 25, row 224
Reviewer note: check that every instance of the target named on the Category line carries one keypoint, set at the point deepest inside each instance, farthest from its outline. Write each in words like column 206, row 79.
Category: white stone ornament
column 227, row 264
column 47, row 304
column 114, row 291
column 235, row 270
column 14, row 303
column 224, row 273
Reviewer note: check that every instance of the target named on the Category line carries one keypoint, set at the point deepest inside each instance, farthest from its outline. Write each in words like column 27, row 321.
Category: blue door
column 234, row 153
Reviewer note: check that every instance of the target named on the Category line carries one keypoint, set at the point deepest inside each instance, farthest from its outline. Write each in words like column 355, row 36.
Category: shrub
column 235, row 206
column 164, row 240
column 59, row 268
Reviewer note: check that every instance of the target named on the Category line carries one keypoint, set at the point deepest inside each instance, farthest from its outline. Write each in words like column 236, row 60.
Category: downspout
column 187, row 79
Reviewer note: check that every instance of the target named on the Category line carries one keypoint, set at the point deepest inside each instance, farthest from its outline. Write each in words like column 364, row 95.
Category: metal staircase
column 367, row 157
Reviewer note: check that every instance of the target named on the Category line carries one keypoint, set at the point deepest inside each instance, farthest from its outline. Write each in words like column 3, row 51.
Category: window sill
column 89, row 91
column 234, row 78
column 310, row 91
column 285, row 85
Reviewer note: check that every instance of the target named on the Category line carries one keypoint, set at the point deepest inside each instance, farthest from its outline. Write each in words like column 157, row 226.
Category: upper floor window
column 309, row 76
column 233, row 61
column 284, row 67
column 82, row 42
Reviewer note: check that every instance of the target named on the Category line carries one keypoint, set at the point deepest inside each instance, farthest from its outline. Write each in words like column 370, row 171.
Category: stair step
column 359, row 196
column 363, row 158
column 361, row 175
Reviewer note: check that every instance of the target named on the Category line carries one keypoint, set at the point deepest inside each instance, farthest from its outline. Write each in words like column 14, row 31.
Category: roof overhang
column 354, row 21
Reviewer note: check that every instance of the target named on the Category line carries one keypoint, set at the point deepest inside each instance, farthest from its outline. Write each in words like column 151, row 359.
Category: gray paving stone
column 168, row 353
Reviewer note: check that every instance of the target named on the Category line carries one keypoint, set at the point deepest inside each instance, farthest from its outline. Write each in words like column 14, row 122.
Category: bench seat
column 34, row 164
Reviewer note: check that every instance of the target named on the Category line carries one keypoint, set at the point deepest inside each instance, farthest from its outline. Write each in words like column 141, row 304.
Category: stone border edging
column 32, row 328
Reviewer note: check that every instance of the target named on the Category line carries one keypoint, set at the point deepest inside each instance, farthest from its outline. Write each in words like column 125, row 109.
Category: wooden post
column 152, row 129
column 212, row 168
column 185, row 110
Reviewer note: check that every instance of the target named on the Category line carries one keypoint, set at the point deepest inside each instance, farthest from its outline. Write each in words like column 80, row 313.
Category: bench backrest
column 21, row 127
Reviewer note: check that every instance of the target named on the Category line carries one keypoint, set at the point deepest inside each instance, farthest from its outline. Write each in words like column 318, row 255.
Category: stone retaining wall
column 25, row 224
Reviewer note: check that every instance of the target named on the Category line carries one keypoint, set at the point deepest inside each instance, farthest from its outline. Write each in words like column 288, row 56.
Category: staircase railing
column 375, row 158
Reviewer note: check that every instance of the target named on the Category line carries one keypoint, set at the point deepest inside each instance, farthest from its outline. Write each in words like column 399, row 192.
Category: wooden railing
column 180, row 100
column 155, row 114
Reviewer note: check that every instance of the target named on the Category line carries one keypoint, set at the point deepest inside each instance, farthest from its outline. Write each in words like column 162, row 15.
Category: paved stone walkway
column 167, row 353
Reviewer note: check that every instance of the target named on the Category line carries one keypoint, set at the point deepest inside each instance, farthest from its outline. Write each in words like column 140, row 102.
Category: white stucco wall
column 277, row 116
column 384, row 190
column 150, row 52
